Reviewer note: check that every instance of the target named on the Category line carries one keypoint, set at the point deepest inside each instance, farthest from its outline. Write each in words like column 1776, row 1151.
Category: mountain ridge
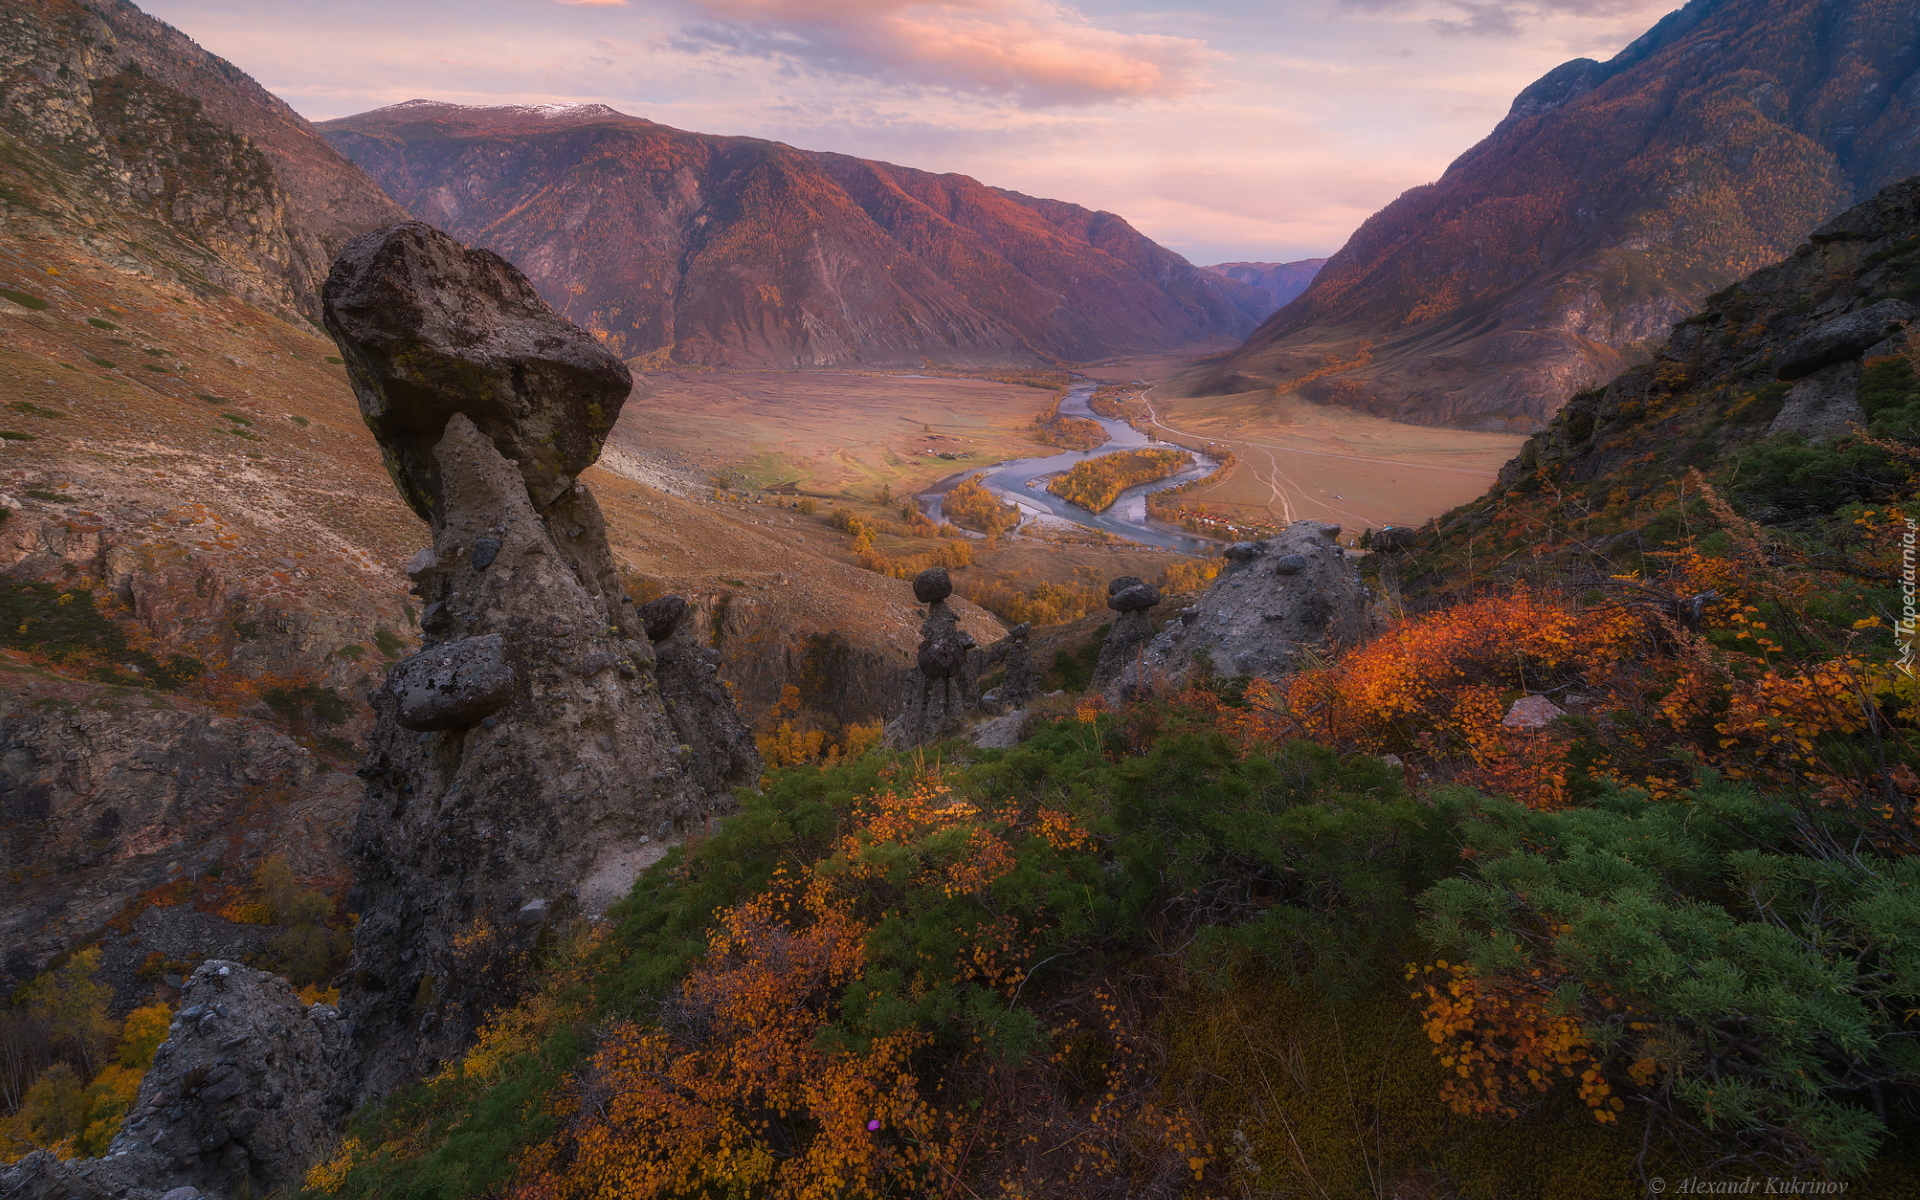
column 1280, row 281
column 746, row 252
column 1603, row 207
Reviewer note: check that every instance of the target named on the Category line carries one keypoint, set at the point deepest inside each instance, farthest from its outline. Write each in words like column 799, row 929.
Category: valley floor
column 1304, row 461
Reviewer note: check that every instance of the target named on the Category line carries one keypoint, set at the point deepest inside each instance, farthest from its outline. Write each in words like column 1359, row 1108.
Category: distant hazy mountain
column 1608, row 203
column 1280, row 281
column 741, row 252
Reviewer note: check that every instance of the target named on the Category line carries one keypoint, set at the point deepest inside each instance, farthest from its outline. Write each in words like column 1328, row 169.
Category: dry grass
column 1303, row 461
column 832, row 433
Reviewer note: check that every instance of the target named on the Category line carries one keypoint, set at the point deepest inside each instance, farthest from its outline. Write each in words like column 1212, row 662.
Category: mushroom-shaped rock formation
column 1291, row 592
column 1019, row 682
column 1131, row 597
column 524, row 755
column 430, row 328
column 943, row 689
column 243, row 1096
column 1135, row 597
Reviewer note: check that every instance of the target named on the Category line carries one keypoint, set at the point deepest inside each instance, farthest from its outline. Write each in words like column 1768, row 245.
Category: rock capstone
column 932, row 585
column 661, row 616
column 430, row 328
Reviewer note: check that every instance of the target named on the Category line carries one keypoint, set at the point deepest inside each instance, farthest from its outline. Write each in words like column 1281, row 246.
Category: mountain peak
column 484, row 117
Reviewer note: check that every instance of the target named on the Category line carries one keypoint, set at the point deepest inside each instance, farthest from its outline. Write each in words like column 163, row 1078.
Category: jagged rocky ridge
column 1776, row 360
column 183, row 165
column 246, row 1092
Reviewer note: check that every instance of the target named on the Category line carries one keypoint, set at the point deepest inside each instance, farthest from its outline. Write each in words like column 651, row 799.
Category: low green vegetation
column 66, row 627
column 23, row 299
column 1728, row 956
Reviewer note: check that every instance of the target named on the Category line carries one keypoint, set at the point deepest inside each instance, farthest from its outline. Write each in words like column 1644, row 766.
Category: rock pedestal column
column 942, row 690
column 523, row 755
column 715, row 742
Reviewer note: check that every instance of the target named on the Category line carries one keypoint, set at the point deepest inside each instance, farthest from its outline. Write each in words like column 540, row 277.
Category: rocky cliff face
column 1611, row 199
column 740, row 252
column 104, row 795
column 524, row 760
column 183, row 165
column 1797, row 356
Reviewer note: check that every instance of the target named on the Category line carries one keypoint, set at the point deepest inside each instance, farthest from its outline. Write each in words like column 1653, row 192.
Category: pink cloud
column 1033, row 51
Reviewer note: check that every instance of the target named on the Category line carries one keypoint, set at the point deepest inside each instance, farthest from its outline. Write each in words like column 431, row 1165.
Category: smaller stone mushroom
column 932, row 585
column 661, row 616
column 1135, row 597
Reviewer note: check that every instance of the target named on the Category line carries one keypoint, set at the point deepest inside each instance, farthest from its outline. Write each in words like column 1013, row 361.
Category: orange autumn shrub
column 740, row 1094
column 789, row 1062
column 1503, row 1041
column 1437, row 688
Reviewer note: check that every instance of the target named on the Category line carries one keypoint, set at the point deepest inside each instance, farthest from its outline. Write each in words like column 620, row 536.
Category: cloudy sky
column 1227, row 129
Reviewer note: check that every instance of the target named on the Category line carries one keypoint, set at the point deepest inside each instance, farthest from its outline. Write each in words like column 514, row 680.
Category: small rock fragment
column 1531, row 712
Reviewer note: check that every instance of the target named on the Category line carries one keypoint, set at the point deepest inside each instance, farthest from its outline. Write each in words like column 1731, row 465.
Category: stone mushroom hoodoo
column 526, row 753
column 943, row 690
column 1130, row 596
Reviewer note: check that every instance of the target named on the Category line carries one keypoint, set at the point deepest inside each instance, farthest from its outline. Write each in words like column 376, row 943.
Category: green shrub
column 1761, row 961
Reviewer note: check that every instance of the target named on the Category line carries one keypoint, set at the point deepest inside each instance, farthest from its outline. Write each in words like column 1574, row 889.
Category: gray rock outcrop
column 523, row 759
column 1823, row 404
column 105, row 795
column 715, row 743
column 245, row 1093
column 1277, row 600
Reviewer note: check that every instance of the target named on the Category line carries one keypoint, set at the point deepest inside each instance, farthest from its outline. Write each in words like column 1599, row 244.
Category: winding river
column 1023, row 481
